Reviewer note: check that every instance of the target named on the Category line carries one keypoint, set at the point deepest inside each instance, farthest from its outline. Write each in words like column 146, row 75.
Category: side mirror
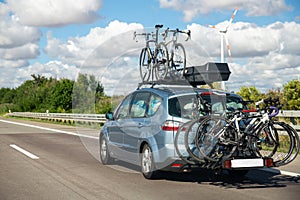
column 109, row 116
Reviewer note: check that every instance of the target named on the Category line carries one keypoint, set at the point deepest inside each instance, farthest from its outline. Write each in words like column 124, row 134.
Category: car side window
column 154, row 103
column 123, row 111
column 139, row 105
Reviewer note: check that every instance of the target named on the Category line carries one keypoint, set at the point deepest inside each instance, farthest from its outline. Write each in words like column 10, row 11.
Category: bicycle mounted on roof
column 176, row 50
column 153, row 59
column 157, row 59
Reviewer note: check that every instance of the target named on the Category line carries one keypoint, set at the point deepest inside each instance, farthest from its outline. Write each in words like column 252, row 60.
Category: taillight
column 227, row 164
column 176, row 165
column 249, row 111
column 269, row 162
column 170, row 126
column 206, row 93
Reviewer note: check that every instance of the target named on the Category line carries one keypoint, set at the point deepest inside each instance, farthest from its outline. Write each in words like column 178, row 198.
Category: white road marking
column 30, row 155
column 50, row 129
column 93, row 137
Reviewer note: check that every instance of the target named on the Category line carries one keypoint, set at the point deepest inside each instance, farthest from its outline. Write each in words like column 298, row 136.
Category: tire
column 288, row 145
column 178, row 62
column 162, row 62
column 180, row 140
column 147, row 163
column 214, row 140
column 145, row 64
column 296, row 147
column 266, row 141
column 190, row 141
column 104, row 152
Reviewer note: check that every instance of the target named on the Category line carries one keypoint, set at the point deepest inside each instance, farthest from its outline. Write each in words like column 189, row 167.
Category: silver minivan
column 142, row 128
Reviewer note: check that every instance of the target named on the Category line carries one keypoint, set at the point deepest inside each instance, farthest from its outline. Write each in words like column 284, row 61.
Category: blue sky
column 59, row 38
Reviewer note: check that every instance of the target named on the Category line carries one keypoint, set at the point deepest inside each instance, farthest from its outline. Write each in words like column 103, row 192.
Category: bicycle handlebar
column 143, row 34
column 158, row 26
column 188, row 32
column 274, row 114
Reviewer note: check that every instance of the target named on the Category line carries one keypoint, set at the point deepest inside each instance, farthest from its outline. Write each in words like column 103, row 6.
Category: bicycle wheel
column 288, row 144
column 295, row 151
column 145, row 64
column 190, row 140
column 179, row 143
column 178, row 60
column 162, row 62
column 215, row 139
column 266, row 141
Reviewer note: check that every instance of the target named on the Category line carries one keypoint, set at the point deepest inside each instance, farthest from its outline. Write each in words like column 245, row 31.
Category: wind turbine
column 223, row 37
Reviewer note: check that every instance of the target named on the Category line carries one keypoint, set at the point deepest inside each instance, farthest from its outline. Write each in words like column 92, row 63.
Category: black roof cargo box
column 207, row 73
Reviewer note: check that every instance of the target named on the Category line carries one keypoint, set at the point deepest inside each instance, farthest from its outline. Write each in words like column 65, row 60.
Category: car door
column 115, row 127
column 137, row 125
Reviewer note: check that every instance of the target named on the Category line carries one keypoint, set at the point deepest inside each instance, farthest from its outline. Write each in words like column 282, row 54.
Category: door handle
column 140, row 125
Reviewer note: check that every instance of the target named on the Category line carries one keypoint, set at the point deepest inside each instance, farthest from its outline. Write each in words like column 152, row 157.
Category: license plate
column 240, row 163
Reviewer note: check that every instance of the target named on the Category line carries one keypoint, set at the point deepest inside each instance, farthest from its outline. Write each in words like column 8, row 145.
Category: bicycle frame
column 173, row 44
column 154, row 61
column 173, row 40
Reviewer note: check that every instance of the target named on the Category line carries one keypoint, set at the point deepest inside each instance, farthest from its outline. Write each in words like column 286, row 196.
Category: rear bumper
column 178, row 165
column 236, row 164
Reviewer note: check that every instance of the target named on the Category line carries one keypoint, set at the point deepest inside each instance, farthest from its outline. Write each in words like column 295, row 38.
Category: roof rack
column 164, row 83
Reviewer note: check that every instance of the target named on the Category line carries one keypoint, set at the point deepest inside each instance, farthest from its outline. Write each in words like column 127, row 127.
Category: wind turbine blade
column 212, row 26
column 233, row 15
column 232, row 18
column 228, row 47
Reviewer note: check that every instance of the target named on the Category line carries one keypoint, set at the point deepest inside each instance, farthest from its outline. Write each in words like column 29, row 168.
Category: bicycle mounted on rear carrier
column 237, row 139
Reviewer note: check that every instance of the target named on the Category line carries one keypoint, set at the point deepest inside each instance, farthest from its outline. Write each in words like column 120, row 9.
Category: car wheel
column 147, row 163
column 104, row 152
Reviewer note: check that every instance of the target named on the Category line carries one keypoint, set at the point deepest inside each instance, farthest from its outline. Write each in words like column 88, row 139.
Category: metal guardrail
column 100, row 118
column 293, row 116
column 289, row 113
column 62, row 117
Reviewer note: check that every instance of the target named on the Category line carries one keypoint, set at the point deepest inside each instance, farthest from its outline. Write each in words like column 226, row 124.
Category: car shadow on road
column 253, row 179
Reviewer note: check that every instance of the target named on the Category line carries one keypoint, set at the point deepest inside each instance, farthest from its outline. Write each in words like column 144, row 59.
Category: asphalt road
column 64, row 165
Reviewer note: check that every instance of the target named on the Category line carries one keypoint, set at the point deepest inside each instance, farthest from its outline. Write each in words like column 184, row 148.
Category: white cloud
column 264, row 56
column 56, row 69
column 11, row 64
column 250, row 40
column 55, row 12
column 18, row 43
column 14, row 34
column 193, row 8
column 16, row 76
column 98, row 47
column 27, row 51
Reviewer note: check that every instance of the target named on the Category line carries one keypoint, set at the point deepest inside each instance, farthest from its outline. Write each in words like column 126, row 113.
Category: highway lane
column 68, row 168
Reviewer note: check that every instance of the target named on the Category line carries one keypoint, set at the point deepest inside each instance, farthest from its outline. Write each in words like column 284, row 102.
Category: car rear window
column 221, row 103
column 186, row 106
column 183, row 106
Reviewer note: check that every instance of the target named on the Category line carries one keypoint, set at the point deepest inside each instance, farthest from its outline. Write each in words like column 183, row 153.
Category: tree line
column 41, row 94
column 86, row 95
column 289, row 95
